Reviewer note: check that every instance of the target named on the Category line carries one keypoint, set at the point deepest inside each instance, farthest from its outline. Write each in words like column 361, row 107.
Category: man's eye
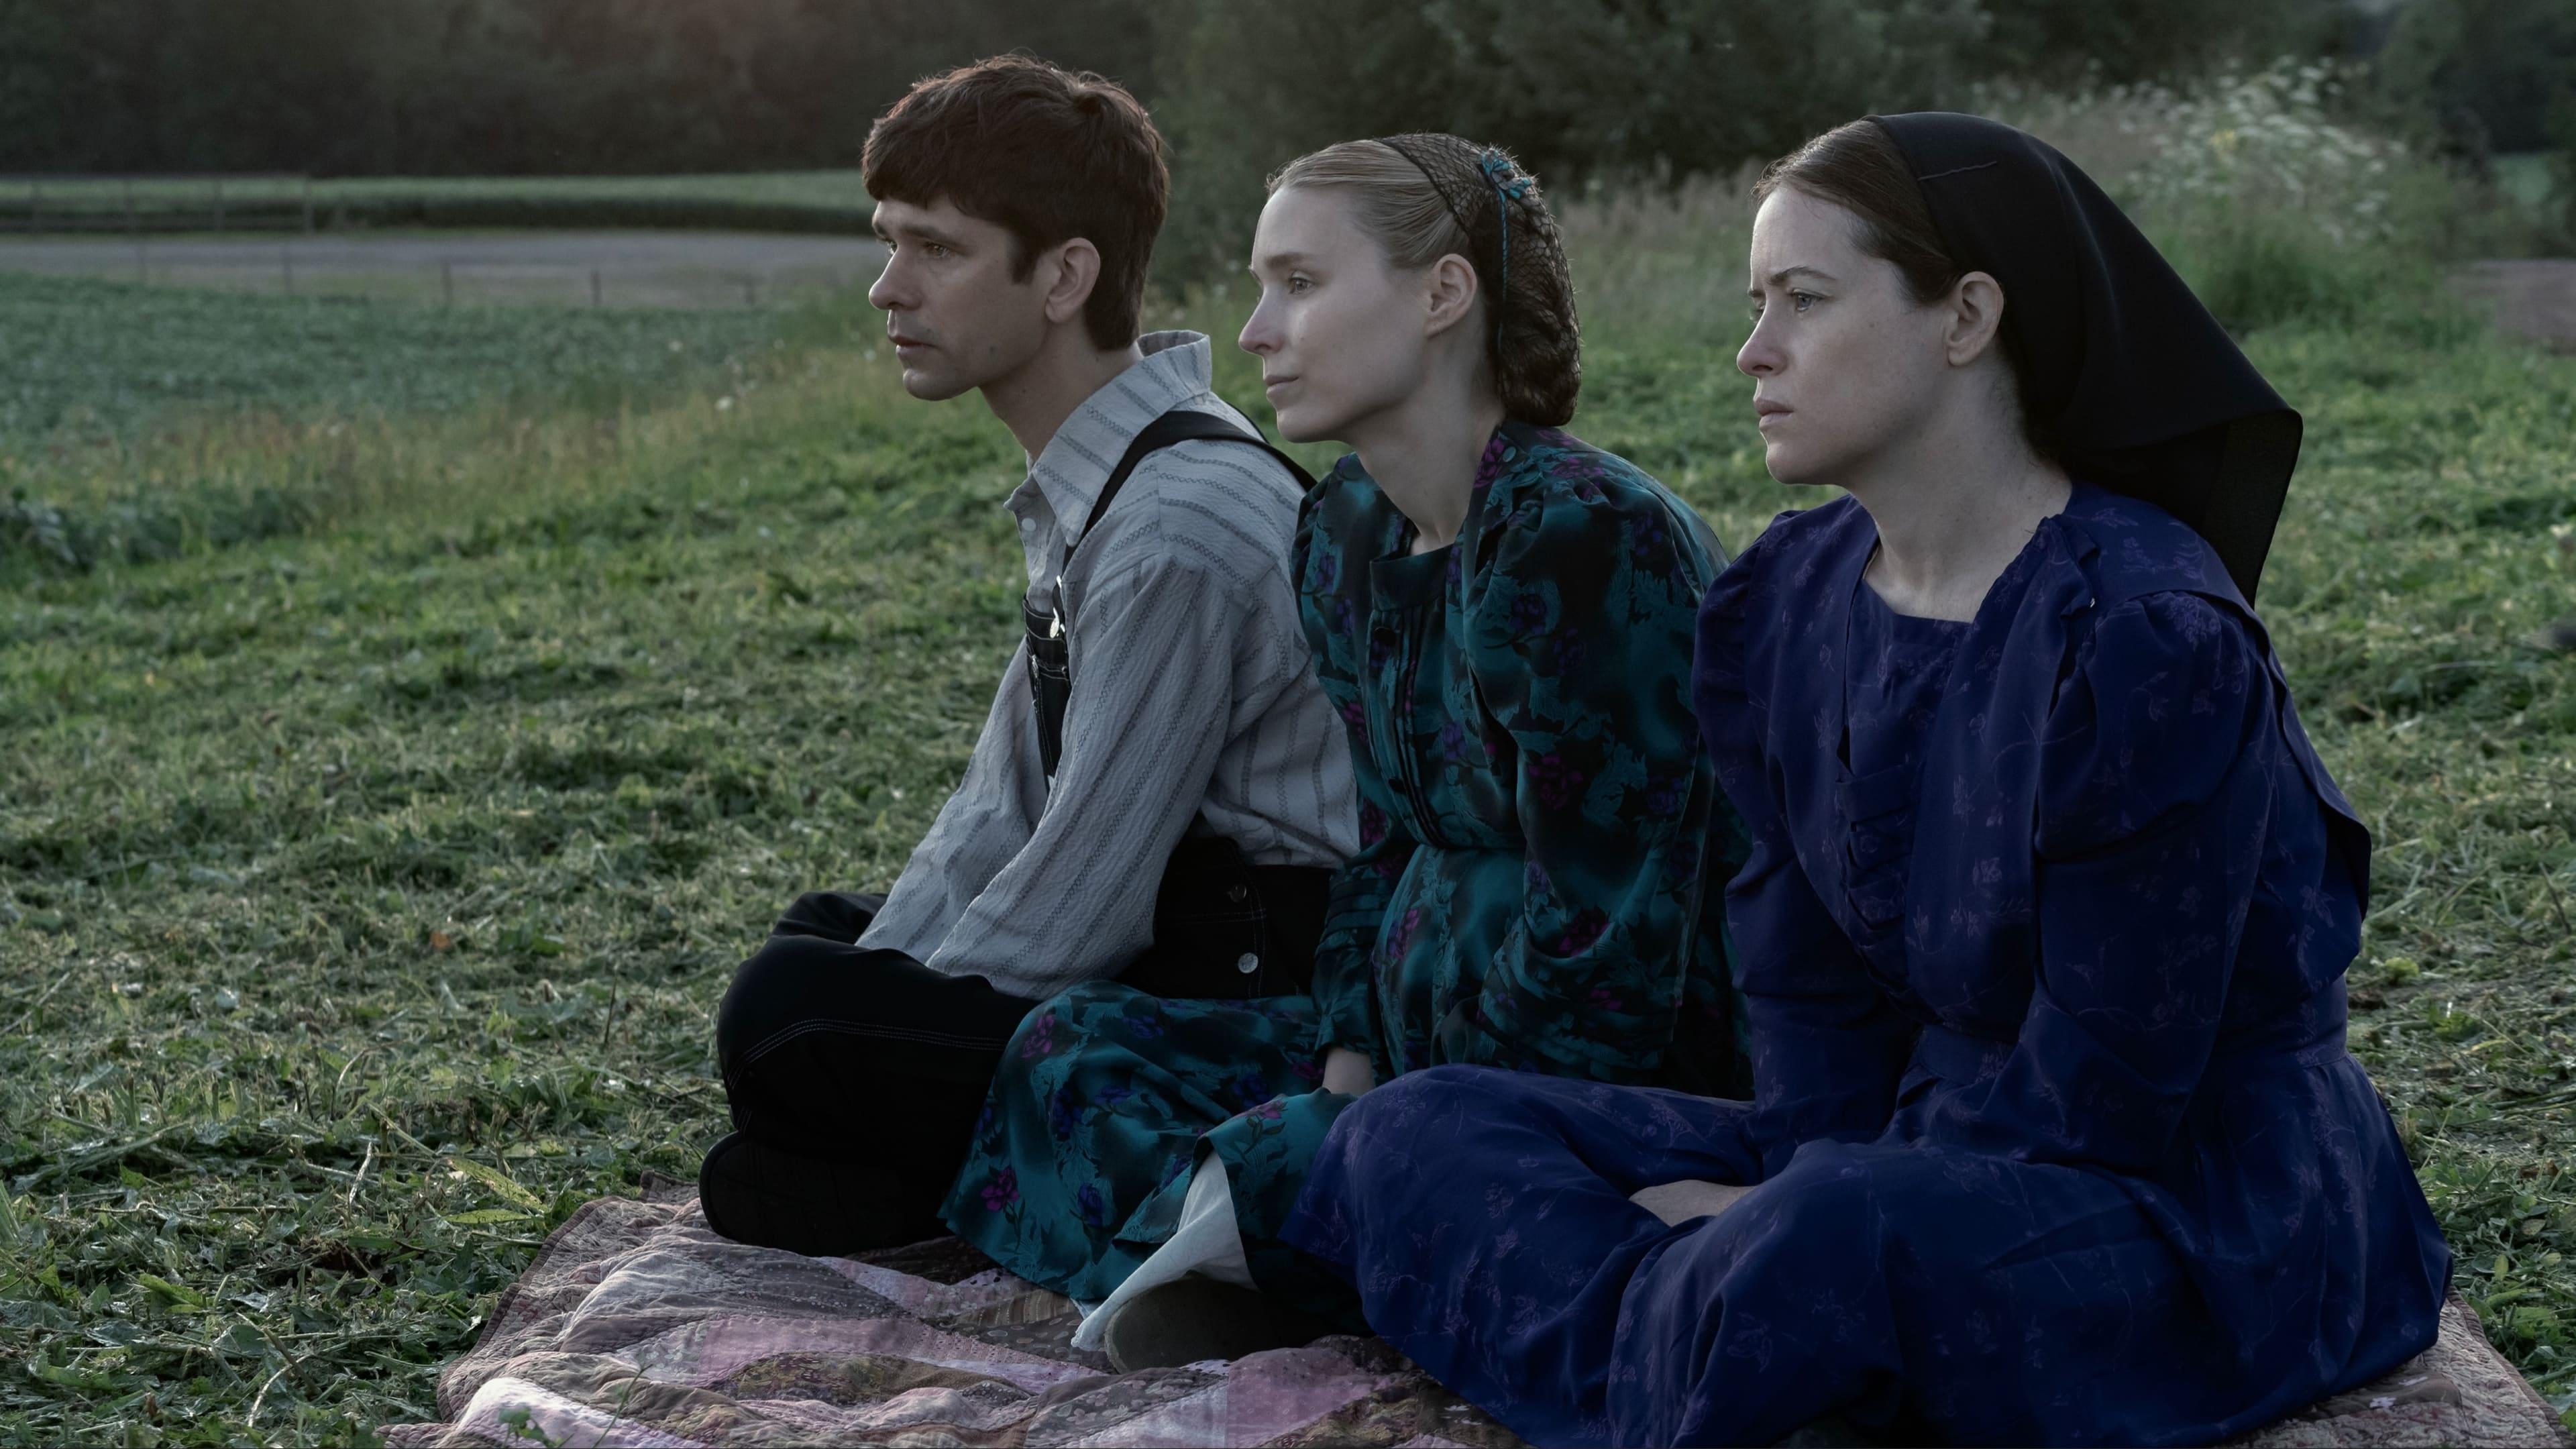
column 1300, row 284
column 1802, row 300
column 933, row 249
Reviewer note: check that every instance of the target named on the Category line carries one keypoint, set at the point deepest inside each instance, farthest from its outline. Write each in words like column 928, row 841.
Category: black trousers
column 855, row 1078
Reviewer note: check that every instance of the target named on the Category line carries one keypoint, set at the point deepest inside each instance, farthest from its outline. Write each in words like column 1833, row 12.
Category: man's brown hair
column 1044, row 153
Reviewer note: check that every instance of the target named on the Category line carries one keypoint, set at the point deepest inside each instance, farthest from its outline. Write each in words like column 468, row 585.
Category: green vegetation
column 91, row 360
column 368, row 877
column 826, row 201
column 136, row 423
column 2527, row 176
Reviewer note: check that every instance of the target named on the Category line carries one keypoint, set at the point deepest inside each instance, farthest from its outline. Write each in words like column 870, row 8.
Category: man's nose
column 883, row 292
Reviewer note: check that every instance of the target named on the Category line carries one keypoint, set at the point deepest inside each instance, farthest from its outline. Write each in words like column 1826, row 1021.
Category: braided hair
column 1426, row 195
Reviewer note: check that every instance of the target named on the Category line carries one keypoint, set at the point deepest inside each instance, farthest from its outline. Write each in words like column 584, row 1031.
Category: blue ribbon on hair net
column 1509, row 186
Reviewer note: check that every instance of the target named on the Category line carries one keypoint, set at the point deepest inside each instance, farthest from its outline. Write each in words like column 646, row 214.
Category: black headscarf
column 2146, row 394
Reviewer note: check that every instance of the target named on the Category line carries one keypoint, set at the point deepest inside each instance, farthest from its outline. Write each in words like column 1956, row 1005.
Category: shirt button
column 1236, row 892
column 1247, row 963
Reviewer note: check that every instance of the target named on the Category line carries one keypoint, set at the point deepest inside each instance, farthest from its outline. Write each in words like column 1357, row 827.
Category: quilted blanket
column 638, row 1326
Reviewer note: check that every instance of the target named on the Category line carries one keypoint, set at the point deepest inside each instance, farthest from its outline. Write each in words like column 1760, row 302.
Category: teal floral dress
column 1543, row 855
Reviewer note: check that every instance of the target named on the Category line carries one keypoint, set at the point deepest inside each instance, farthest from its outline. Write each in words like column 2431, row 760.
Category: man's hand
column 1348, row 1072
column 1679, row 1202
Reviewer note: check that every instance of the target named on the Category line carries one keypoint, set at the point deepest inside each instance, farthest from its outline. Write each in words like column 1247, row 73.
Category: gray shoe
column 1195, row 1318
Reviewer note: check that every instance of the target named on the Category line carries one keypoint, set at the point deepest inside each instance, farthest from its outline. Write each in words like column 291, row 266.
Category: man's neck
column 1423, row 454
column 1953, row 511
column 1034, row 400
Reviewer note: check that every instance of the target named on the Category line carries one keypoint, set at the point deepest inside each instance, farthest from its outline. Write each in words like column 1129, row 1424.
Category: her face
column 1342, row 335
column 1845, row 363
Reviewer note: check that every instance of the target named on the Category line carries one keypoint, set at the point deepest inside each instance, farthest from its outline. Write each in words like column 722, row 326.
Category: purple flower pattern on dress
column 1488, row 690
column 1040, row 1038
column 2042, row 944
column 1003, row 1192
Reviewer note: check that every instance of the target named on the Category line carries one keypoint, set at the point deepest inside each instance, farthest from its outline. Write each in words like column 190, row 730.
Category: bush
column 1585, row 89
column 2269, row 198
column 2273, row 206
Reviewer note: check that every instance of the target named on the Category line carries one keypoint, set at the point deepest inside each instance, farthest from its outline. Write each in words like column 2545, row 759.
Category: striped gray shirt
column 1194, row 707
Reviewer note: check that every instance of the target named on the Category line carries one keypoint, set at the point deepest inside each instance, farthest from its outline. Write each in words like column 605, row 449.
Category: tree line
column 1676, row 87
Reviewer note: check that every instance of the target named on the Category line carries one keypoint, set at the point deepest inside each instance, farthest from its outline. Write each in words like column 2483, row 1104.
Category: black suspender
column 1050, row 655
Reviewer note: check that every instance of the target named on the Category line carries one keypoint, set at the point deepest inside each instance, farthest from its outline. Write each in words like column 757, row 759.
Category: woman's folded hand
column 1679, row 1202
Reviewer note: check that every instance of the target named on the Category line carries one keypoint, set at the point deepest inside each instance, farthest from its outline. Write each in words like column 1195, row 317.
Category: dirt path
column 605, row 268
column 2535, row 299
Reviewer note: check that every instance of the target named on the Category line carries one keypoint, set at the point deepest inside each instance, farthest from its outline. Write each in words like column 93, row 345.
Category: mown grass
column 366, row 889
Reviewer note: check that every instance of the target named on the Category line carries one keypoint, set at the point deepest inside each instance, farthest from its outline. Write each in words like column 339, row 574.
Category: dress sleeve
column 1579, row 645
column 2155, row 804
column 1344, row 988
column 1828, row 1046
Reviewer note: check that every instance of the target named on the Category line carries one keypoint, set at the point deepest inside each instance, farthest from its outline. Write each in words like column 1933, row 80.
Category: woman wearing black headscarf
column 2043, row 935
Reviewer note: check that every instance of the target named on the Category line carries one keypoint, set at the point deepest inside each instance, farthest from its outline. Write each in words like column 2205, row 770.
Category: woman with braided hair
column 2055, row 1138
column 1503, row 617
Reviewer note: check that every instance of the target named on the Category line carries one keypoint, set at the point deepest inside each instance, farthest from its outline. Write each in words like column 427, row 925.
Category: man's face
column 953, row 312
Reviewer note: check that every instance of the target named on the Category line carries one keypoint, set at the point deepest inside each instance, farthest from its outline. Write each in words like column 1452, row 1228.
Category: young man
column 1166, row 814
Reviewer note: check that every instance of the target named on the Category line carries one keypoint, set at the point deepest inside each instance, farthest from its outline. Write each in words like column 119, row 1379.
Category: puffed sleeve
column 1344, row 989
column 1579, row 643
column 1828, row 1046
column 2158, row 769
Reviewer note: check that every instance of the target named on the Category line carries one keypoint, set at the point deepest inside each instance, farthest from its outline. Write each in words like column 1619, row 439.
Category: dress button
column 1247, row 963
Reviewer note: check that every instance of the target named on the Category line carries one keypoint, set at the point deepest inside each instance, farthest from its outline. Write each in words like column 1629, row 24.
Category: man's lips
column 901, row 342
column 1764, row 410
column 1270, row 383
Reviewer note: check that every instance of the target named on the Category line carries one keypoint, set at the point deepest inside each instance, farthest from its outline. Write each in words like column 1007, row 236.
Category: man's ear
column 1976, row 318
column 1077, row 271
column 1449, row 293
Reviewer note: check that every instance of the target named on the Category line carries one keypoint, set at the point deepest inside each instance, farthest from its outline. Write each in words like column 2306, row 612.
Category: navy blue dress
column 2042, row 944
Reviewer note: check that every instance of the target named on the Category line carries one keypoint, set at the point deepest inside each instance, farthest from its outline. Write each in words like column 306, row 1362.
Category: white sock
column 1205, row 1242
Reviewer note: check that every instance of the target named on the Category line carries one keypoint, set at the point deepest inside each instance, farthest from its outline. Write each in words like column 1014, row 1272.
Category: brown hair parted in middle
column 1426, row 195
column 1045, row 153
column 1858, row 167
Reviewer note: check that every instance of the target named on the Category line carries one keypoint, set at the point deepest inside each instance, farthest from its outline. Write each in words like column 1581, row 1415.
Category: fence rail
column 135, row 204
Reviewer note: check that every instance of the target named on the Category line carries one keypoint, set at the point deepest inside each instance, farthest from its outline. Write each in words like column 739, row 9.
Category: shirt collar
column 1077, row 460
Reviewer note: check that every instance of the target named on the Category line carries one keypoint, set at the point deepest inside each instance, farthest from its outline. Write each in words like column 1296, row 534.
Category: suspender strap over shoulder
column 1050, row 655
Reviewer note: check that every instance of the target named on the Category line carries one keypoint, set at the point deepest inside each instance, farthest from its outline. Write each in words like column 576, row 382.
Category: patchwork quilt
column 638, row 1326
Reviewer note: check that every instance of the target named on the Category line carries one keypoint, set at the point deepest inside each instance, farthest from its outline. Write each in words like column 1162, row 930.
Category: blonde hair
column 1422, row 197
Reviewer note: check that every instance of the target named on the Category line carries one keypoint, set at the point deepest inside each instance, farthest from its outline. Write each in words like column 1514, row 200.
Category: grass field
column 785, row 200
column 89, row 360
column 820, row 188
column 367, row 880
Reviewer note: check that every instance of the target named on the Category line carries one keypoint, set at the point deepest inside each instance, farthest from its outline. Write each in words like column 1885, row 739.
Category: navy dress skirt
column 2055, row 1139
